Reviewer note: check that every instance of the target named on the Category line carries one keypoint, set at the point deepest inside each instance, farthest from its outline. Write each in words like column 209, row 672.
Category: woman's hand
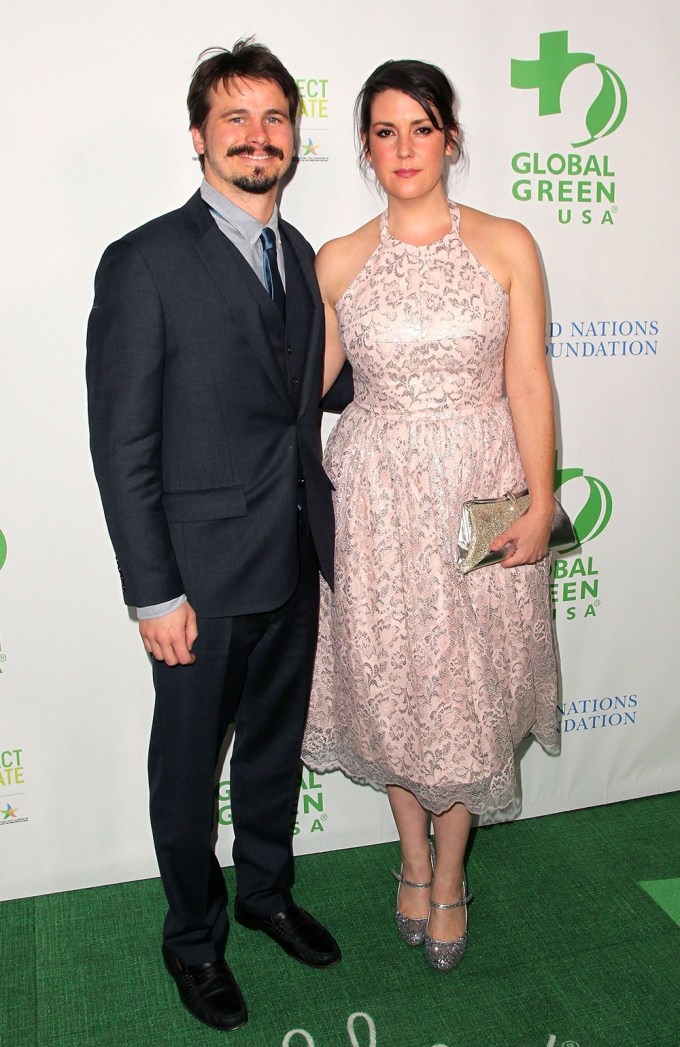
column 527, row 538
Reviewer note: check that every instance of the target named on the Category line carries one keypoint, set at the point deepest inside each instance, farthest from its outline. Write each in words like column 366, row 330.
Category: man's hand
column 170, row 638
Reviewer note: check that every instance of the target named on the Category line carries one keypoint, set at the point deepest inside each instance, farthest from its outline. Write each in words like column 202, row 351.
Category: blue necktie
column 272, row 276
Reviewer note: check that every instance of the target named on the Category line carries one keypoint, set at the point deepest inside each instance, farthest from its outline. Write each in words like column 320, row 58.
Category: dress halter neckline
column 386, row 235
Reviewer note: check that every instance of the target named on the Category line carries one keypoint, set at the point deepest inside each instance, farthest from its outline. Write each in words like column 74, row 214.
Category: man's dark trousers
column 254, row 670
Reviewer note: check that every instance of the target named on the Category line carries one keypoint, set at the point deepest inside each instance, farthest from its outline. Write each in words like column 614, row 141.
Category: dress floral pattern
column 426, row 678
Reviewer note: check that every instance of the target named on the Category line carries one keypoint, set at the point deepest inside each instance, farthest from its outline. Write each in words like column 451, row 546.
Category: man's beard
column 258, row 181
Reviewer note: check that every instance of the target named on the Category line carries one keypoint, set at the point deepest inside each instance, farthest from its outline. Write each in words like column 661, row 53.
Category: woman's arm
column 337, row 265
column 326, row 272
column 529, row 392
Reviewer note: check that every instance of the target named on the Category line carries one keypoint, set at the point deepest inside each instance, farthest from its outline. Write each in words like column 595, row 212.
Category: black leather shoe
column 209, row 991
column 298, row 933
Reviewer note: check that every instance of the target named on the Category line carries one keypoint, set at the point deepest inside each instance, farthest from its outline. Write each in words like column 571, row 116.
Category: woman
column 427, row 679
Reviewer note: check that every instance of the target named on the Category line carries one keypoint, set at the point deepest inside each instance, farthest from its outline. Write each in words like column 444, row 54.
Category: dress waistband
column 433, row 415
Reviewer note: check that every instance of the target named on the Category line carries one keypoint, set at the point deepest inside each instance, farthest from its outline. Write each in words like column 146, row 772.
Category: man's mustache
column 250, row 150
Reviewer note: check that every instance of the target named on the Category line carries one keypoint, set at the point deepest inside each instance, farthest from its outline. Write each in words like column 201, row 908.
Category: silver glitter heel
column 412, row 931
column 443, row 956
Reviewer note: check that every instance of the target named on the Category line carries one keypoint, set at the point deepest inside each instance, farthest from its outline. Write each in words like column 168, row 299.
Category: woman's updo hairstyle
column 426, row 84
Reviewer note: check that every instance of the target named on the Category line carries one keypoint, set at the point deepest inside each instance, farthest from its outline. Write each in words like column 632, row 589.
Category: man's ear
column 197, row 138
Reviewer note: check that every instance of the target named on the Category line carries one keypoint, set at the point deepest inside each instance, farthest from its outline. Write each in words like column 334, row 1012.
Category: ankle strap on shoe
column 454, row 905
column 407, row 883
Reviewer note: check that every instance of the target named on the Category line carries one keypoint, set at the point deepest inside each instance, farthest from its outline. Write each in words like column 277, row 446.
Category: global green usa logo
column 549, row 72
column 575, row 582
column 310, row 815
column 577, row 181
column 596, row 511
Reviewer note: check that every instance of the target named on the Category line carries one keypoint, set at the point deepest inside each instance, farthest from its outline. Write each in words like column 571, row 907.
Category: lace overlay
column 426, row 678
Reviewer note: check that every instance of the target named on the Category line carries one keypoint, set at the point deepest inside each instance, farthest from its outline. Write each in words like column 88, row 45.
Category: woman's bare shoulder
column 339, row 261
column 505, row 232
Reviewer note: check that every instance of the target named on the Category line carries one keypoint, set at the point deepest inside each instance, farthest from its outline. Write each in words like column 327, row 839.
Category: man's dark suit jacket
column 196, row 439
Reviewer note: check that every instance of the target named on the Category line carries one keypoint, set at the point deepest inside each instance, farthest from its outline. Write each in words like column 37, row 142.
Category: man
column 204, row 374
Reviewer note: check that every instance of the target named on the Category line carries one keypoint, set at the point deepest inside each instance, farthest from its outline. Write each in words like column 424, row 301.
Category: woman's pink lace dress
column 426, row 678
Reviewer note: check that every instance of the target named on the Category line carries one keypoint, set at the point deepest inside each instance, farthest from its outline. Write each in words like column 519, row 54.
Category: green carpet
column 665, row 893
column 573, row 941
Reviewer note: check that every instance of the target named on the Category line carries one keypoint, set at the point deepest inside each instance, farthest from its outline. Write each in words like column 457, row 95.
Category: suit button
column 289, row 348
column 295, row 381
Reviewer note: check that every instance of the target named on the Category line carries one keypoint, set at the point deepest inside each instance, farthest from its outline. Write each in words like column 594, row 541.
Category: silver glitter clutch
column 484, row 519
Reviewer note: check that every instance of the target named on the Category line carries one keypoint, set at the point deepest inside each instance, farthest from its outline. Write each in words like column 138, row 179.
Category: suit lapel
column 253, row 309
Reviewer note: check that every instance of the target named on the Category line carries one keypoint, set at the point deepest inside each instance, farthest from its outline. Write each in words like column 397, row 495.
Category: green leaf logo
column 3, row 550
column 609, row 108
column 595, row 514
column 548, row 73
